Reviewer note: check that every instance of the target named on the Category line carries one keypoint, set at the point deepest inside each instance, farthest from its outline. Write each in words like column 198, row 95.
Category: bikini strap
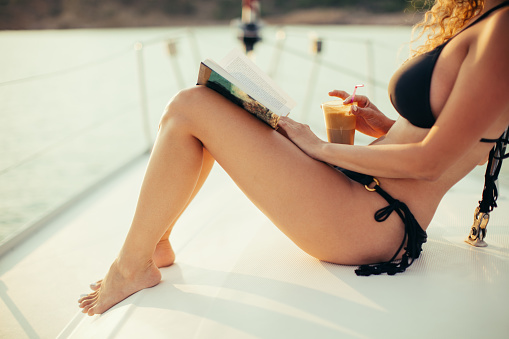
column 488, row 12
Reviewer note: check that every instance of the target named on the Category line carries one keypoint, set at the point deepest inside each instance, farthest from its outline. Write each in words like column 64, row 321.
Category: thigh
column 318, row 208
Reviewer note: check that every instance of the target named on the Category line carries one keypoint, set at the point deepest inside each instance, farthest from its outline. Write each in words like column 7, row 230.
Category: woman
column 449, row 98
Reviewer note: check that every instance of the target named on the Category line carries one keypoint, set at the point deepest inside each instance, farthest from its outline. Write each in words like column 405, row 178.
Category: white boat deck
column 237, row 276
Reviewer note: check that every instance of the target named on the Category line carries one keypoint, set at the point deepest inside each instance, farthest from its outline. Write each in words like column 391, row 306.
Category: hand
column 370, row 120
column 301, row 135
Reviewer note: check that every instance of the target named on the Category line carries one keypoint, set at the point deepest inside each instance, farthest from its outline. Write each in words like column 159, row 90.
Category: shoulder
column 496, row 28
column 501, row 17
column 491, row 48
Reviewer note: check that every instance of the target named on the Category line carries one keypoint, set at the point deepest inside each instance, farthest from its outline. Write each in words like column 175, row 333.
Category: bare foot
column 119, row 284
column 163, row 255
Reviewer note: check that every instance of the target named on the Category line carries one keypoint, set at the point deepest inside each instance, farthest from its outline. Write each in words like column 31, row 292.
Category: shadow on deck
column 237, row 276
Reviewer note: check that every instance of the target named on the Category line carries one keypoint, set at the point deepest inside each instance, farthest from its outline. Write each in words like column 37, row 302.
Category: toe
column 88, row 306
column 92, row 311
column 95, row 286
column 87, row 302
column 88, row 296
column 85, row 309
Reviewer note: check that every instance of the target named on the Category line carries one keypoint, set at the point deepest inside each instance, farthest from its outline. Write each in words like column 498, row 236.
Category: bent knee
column 182, row 104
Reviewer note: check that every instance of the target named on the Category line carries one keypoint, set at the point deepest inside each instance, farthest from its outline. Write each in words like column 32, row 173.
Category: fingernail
column 354, row 108
column 347, row 100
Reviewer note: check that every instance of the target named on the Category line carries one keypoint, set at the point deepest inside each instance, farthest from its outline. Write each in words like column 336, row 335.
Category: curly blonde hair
column 443, row 21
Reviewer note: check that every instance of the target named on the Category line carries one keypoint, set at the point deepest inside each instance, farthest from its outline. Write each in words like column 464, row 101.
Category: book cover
column 239, row 80
column 218, row 83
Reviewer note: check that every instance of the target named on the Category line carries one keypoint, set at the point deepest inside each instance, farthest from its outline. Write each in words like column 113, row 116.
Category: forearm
column 390, row 161
column 412, row 160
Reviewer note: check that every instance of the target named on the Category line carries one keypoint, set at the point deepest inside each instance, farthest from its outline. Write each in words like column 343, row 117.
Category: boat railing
column 33, row 180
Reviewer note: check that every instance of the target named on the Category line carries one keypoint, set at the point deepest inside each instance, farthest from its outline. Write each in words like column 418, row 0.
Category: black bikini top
column 409, row 88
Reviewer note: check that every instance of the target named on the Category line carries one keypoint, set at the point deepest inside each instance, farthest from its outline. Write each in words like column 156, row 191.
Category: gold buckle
column 377, row 183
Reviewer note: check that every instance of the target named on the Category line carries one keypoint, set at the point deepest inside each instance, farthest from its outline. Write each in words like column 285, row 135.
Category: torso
column 423, row 197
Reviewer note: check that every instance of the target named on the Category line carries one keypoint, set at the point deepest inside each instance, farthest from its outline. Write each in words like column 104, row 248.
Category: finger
column 286, row 123
column 283, row 119
column 365, row 113
column 281, row 127
column 359, row 112
column 339, row 94
column 286, row 119
column 361, row 100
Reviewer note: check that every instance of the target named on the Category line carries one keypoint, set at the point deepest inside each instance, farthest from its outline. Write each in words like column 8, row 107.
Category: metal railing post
column 194, row 46
column 142, row 90
column 370, row 68
column 278, row 48
column 316, row 50
column 172, row 51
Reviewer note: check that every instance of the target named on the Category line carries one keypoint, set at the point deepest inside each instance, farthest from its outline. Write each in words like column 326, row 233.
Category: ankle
column 164, row 255
column 130, row 266
column 163, row 240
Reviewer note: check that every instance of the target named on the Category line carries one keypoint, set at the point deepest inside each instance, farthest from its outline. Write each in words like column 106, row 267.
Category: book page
column 258, row 84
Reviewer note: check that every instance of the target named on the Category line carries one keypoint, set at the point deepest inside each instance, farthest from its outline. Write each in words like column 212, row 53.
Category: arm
column 379, row 160
column 476, row 107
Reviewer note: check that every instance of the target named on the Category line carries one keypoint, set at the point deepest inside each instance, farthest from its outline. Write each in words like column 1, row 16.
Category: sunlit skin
column 310, row 202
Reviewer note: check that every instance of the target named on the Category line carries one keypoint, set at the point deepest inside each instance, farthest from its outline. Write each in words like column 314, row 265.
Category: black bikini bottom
column 414, row 234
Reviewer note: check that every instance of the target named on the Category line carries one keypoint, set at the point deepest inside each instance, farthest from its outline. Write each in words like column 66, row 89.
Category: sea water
column 77, row 105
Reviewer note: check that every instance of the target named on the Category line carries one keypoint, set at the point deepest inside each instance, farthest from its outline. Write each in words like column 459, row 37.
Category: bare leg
column 171, row 177
column 316, row 207
column 163, row 254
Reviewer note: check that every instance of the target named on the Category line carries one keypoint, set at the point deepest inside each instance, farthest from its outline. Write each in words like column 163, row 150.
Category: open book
column 238, row 79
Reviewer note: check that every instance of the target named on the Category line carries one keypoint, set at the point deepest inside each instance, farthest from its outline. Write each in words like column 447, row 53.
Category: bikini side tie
column 413, row 234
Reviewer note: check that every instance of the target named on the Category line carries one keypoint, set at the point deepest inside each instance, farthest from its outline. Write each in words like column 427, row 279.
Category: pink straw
column 353, row 94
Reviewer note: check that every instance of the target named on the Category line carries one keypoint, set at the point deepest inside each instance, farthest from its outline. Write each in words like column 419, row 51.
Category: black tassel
column 497, row 154
column 391, row 268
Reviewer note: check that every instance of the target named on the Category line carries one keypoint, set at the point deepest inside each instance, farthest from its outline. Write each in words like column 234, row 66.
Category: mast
column 250, row 24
